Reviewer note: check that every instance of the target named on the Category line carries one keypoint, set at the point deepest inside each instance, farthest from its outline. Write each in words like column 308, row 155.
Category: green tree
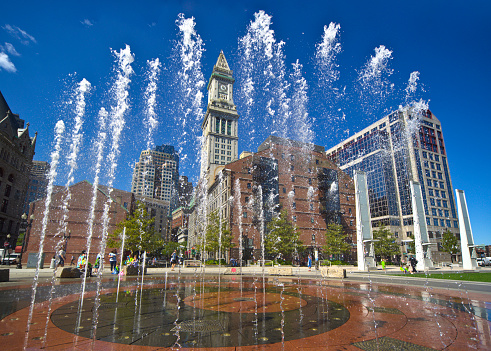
column 170, row 246
column 450, row 244
column 282, row 237
column 336, row 243
column 213, row 239
column 385, row 244
column 140, row 232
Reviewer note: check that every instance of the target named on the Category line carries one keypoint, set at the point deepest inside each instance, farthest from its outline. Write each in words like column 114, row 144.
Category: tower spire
column 222, row 64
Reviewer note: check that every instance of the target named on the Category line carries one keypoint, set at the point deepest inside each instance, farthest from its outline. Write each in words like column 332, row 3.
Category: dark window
column 292, row 167
column 248, row 185
column 292, row 157
column 284, row 190
column 294, row 205
column 316, row 162
column 293, row 178
column 246, row 199
column 5, row 204
column 8, row 188
column 244, row 214
column 310, row 181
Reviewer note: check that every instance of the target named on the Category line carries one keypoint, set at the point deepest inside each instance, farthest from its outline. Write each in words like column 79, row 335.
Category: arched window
column 11, row 178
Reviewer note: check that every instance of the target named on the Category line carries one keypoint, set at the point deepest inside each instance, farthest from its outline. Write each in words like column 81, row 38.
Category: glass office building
column 404, row 145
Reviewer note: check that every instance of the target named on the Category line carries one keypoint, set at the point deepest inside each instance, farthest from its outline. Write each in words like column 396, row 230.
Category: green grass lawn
column 475, row 276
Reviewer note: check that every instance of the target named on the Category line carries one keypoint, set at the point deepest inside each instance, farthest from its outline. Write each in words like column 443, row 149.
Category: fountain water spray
column 99, row 150
column 55, row 158
column 83, row 87
column 189, row 51
column 374, row 85
column 120, row 92
column 150, row 96
column 263, row 84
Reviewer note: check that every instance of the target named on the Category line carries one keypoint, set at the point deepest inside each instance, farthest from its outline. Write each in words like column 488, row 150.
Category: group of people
column 405, row 265
column 82, row 261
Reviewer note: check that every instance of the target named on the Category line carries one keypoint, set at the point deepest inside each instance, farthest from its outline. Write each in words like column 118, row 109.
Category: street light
column 24, row 227
column 8, row 247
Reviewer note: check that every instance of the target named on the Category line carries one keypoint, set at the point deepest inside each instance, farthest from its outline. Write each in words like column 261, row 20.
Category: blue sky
column 47, row 46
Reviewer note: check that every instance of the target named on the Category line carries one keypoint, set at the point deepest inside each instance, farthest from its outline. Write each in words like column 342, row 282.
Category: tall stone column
column 421, row 242
column 364, row 235
column 466, row 238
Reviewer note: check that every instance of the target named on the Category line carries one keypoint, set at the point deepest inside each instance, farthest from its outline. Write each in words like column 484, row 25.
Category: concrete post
column 364, row 235
column 421, row 242
column 469, row 260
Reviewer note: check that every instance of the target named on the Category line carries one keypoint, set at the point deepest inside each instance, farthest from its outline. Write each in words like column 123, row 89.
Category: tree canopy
column 336, row 243
column 140, row 232
column 385, row 244
column 213, row 237
column 282, row 237
column 450, row 243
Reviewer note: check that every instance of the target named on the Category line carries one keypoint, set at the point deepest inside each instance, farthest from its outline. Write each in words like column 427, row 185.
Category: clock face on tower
column 222, row 88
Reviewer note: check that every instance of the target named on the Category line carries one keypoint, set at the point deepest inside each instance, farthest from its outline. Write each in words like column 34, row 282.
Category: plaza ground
column 382, row 311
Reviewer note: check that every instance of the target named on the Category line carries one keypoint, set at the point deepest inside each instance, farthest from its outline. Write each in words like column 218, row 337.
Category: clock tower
column 220, row 138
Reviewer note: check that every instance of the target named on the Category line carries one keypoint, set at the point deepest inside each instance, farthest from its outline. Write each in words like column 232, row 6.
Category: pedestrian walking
column 413, row 262
column 173, row 260
column 112, row 259
column 309, row 261
column 383, row 264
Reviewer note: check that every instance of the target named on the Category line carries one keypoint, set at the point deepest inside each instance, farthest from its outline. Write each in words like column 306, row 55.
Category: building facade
column 156, row 174
column 185, row 192
column 74, row 239
column 159, row 211
column 220, row 125
column 405, row 145
column 16, row 153
column 282, row 174
column 38, row 182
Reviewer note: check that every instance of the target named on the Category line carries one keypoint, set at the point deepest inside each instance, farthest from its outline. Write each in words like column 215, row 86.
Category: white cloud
column 87, row 22
column 24, row 37
column 6, row 64
column 10, row 49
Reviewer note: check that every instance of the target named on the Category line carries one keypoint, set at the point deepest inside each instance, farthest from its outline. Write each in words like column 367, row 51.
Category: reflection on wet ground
column 244, row 312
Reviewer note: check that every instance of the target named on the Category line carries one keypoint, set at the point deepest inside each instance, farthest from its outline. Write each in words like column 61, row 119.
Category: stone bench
column 132, row 270
column 333, row 272
column 68, row 272
column 192, row 263
column 4, row 275
column 280, row 271
column 232, row 270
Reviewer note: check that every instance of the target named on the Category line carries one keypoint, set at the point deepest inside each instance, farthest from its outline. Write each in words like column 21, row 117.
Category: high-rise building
column 38, row 182
column 219, row 126
column 156, row 184
column 185, row 191
column 16, row 153
column 405, row 145
column 156, row 174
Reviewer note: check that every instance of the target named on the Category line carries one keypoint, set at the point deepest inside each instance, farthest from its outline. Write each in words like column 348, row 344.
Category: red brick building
column 290, row 175
column 77, row 227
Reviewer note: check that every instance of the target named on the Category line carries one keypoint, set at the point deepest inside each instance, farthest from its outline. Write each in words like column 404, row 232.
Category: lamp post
column 24, row 227
column 8, row 247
